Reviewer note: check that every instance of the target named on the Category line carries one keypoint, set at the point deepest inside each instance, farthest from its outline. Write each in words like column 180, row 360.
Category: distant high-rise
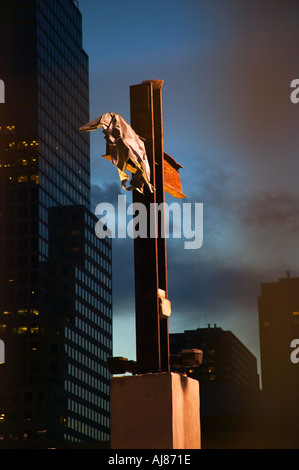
column 55, row 274
column 279, row 326
column 226, row 360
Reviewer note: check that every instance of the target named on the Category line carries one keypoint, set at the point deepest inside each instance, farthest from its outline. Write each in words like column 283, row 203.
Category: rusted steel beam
column 172, row 180
column 152, row 337
column 160, row 199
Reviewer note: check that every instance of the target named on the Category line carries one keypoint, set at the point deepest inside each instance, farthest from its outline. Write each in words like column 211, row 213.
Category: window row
column 7, row 130
column 19, row 162
column 90, row 251
column 19, row 145
column 75, row 90
column 94, row 399
column 85, row 429
column 24, row 330
column 24, row 311
column 95, row 317
column 88, row 345
column 66, row 177
column 88, row 413
column 66, row 27
column 66, row 157
column 60, row 121
column 88, row 329
column 63, row 195
column 89, row 298
column 89, row 363
column 107, row 266
column 99, row 275
column 88, row 379
column 100, row 261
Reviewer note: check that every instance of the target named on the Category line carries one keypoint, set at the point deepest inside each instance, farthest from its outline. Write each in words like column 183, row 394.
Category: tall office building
column 55, row 274
column 279, row 326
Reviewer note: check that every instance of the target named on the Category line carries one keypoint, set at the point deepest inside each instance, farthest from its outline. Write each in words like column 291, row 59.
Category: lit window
column 22, row 179
column 34, row 311
column 8, row 129
column 34, row 330
column 22, row 311
column 34, row 178
column 296, row 314
column 22, row 330
column 2, row 417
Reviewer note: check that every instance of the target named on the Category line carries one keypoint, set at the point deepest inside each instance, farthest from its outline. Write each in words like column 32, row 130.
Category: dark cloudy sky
column 227, row 67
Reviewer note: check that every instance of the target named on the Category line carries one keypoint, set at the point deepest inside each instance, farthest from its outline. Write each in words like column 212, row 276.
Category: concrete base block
column 155, row 411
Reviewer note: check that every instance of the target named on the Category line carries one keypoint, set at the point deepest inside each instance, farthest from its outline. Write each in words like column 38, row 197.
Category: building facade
column 55, row 274
column 226, row 360
column 279, row 326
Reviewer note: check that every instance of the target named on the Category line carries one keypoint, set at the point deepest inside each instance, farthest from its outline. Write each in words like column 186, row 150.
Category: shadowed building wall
column 279, row 326
column 55, row 275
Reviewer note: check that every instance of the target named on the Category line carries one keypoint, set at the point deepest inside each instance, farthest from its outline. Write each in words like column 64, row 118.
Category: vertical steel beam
column 160, row 199
column 150, row 262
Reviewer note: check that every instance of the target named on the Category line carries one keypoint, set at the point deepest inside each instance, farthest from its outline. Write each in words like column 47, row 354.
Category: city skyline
column 229, row 120
column 236, row 141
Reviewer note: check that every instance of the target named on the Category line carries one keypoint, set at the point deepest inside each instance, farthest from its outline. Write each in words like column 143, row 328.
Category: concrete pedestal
column 155, row 411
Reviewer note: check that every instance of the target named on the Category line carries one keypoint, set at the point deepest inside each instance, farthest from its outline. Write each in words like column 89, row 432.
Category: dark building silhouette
column 55, row 274
column 230, row 398
column 279, row 326
column 225, row 358
column 235, row 412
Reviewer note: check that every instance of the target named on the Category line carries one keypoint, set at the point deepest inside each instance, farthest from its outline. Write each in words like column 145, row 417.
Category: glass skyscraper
column 55, row 274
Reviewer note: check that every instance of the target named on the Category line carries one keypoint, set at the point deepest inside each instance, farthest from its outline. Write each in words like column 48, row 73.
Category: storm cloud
column 228, row 119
